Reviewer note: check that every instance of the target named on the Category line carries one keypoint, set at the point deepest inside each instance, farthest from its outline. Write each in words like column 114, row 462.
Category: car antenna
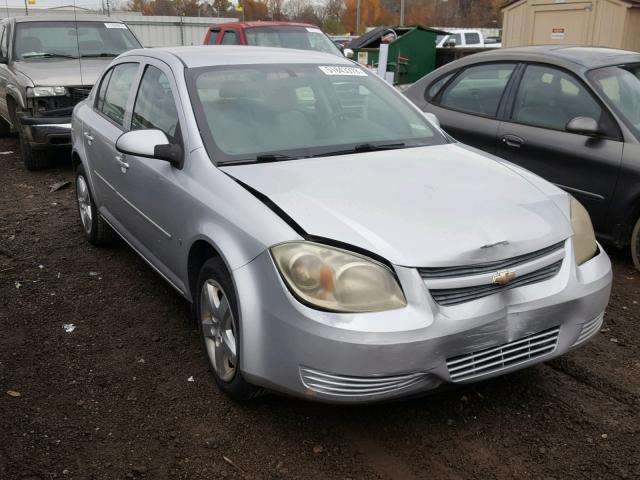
column 75, row 16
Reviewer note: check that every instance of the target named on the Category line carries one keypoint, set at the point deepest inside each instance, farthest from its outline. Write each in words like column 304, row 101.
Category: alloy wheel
column 219, row 330
column 84, row 203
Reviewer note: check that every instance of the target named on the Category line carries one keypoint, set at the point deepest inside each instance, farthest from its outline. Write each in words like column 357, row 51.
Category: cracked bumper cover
column 404, row 352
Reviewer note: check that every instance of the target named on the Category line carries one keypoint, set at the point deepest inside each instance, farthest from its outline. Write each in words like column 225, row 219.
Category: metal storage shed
column 606, row 23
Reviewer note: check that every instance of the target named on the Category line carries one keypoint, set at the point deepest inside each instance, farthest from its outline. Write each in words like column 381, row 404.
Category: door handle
column 123, row 165
column 89, row 137
column 513, row 141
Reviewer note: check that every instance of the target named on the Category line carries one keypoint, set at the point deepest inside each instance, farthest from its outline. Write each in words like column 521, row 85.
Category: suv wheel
column 635, row 245
column 218, row 321
column 5, row 128
column 33, row 159
column 97, row 231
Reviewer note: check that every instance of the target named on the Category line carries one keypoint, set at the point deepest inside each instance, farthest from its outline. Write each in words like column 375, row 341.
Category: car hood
column 63, row 72
column 428, row 206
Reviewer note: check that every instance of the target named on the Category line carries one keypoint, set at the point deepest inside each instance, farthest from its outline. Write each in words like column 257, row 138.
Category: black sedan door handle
column 512, row 141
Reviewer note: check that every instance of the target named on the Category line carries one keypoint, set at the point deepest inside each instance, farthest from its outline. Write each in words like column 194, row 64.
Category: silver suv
column 48, row 65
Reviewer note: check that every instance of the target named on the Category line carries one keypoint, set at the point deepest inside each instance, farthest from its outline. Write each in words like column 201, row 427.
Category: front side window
column 61, row 39
column 620, row 85
column 302, row 38
column 155, row 106
column 117, row 92
column 478, row 89
column 230, row 37
column 300, row 110
column 550, row 98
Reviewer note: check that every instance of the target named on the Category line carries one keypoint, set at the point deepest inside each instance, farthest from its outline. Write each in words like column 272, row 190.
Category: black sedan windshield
column 621, row 87
column 301, row 110
column 61, row 39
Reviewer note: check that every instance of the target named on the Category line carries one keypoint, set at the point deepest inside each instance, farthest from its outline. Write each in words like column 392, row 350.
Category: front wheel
column 635, row 245
column 217, row 316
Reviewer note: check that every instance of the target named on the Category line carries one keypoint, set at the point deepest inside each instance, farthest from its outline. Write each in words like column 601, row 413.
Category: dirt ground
column 127, row 393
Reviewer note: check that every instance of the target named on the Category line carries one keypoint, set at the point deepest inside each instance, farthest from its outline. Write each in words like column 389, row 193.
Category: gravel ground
column 127, row 393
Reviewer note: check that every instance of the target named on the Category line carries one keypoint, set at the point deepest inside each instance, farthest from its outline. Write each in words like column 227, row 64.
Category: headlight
column 337, row 280
column 46, row 91
column 584, row 239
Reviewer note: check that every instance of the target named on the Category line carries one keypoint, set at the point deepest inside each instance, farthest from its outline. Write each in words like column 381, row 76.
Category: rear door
column 103, row 125
column 468, row 104
column 534, row 136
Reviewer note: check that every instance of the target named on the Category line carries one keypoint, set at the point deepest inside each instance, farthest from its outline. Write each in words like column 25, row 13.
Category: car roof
column 209, row 55
column 262, row 24
column 588, row 57
column 65, row 18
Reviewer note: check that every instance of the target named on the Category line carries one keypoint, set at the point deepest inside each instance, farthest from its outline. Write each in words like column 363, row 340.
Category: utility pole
column 357, row 17
column 401, row 12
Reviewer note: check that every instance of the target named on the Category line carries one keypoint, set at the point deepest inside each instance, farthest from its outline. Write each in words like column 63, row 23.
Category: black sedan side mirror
column 583, row 126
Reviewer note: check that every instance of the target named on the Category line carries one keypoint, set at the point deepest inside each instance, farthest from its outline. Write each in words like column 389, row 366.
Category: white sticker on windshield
column 313, row 30
column 350, row 71
column 115, row 25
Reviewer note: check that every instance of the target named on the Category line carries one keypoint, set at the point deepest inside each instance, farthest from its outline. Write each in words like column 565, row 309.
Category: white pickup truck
column 467, row 39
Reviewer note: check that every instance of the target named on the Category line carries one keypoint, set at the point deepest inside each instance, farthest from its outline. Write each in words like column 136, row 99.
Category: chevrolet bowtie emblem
column 504, row 277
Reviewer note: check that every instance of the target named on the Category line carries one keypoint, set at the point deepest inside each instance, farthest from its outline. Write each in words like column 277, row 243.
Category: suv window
column 550, row 98
column 213, row 36
column 155, row 106
column 230, row 38
column 117, row 92
column 478, row 89
column 471, row 38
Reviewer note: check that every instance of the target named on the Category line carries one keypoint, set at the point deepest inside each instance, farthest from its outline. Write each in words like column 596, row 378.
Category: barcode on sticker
column 313, row 30
column 115, row 25
column 353, row 71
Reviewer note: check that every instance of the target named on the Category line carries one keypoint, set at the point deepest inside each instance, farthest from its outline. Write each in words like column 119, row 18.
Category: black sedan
column 569, row 114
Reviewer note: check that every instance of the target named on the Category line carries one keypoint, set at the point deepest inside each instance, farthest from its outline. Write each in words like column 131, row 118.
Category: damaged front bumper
column 353, row 358
column 46, row 132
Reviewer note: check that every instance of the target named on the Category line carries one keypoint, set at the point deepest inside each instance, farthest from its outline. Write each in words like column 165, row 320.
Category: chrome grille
column 453, row 296
column 491, row 360
column 589, row 329
column 332, row 384
column 448, row 272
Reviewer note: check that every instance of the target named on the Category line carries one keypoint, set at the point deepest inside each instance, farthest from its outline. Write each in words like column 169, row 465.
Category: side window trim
column 438, row 98
column 508, row 117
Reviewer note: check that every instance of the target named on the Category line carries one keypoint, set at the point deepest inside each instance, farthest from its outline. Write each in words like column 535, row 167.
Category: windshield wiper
column 365, row 147
column 47, row 55
column 96, row 55
column 262, row 158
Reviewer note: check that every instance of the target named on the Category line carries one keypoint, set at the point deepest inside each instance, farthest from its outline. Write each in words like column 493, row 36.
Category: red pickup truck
column 302, row 36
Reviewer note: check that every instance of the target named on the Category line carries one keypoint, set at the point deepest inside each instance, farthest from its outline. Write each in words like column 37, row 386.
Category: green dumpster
column 412, row 50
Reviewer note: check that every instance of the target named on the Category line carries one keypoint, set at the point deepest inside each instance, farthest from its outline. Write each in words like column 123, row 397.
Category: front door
column 535, row 138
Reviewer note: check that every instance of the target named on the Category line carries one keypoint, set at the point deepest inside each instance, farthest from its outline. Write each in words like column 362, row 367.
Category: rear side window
column 435, row 87
column 471, row 38
column 478, row 89
column 213, row 36
column 118, row 90
column 550, row 98
column 230, row 38
column 103, row 90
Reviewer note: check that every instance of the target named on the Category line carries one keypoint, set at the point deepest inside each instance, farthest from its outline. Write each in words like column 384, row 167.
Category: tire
column 635, row 245
column 97, row 231
column 218, row 321
column 33, row 159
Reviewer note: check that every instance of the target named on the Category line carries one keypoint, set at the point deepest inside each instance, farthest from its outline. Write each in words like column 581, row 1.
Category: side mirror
column 432, row 118
column 150, row 143
column 583, row 126
column 348, row 52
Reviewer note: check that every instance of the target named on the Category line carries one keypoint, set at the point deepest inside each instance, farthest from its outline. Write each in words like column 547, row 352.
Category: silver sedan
column 336, row 244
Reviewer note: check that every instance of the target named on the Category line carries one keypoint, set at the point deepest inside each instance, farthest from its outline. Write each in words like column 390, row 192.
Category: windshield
column 621, row 87
column 299, row 111
column 58, row 39
column 302, row 38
